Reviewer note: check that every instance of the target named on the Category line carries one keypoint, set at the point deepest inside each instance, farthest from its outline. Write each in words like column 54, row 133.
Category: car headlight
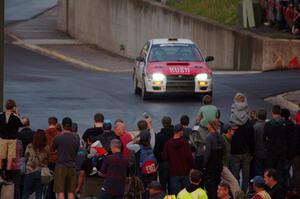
column 203, row 77
column 158, row 77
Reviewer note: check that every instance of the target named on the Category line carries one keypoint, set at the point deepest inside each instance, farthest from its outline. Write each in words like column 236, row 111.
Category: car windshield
column 174, row 52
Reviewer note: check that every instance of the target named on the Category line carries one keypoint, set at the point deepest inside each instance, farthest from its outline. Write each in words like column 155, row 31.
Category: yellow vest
column 197, row 194
column 170, row 197
column 264, row 195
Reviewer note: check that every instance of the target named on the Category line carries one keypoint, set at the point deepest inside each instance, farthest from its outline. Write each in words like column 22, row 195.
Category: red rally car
column 171, row 65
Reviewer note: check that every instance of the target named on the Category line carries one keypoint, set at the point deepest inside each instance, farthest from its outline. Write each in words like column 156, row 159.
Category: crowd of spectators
column 251, row 156
column 282, row 15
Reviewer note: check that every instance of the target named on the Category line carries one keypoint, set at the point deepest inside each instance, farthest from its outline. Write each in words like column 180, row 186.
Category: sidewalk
column 40, row 35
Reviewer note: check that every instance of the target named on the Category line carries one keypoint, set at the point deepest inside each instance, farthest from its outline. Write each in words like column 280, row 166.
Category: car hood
column 178, row 68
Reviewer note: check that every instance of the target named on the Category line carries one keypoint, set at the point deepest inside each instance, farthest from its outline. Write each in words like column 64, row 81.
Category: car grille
column 181, row 83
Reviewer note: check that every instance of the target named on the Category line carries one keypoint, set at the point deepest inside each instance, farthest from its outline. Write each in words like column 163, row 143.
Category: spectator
column 161, row 139
column 185, row 121
column 276, row 136
column 155, row 190
column 123, row 135
column 36, row 156
column 226, row 175
column 276, row 191
column 9, row 127
column 144, row 155
column 177, row 152
column 297, row 116
column 242, row 144
column 296, row 23
column 260, row 154
column 207, row 112
column 223, row 191
column 193, row 190
column 107, row 136
column 214, row 153
column 65, row 169
column 97, row 129
column 114, row 170
column 258, row 187
column 253, row 117
column 51, row 132
column 14, row 175
column 26, row 134
column 296, row 160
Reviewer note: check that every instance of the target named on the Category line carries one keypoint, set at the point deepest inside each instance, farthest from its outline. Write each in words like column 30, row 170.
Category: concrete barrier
column 123, row 26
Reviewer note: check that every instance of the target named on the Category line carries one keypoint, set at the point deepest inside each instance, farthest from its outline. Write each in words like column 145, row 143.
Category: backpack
column 147, row 161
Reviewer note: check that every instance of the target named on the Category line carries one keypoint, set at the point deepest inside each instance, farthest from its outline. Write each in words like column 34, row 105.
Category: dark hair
column 26, row 121
column 99, row 117
column 184, row 120
column 285, row 113
column 166, row 122
column 276, row 110
column 224, row 185
column 142, row 125
column 52, row 120
column 262, row 114
column 58, row 127
column 10, row 104
column 207, row 99
column 74, row 127
column 195, row 176
column 272, row 173
column 39, row 141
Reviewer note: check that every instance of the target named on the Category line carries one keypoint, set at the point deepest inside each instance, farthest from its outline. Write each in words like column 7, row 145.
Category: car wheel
column 136, row 89
column 145, row 94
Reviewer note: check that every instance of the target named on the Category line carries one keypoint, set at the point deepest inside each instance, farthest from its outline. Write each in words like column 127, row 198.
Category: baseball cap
column 154, row 185
column 178, row 127
column 67, row 122
column 107, row 125
column 145, row 135
column 258, row 181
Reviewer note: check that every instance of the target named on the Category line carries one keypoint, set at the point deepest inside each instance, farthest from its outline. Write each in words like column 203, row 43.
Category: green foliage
column 224, row 11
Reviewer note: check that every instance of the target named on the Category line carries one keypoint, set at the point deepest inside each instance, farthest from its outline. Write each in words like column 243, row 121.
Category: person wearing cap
column 66, row 145
column 258, row 184
column 193, row 190
column 226, row 175
column 177, row 152
column 155, row 190
column 139, row 144
column 213, row 156
column 108, row 135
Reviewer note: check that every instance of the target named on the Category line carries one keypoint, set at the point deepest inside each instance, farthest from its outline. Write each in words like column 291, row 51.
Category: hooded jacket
column 160, row 140
column 178, row 153
column 276, row 137
column 239, row 112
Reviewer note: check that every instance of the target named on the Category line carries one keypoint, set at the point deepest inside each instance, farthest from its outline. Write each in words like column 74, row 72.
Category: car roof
column 171, row 41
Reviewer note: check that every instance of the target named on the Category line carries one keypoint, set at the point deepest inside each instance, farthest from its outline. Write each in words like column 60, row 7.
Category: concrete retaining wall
column 123, row 26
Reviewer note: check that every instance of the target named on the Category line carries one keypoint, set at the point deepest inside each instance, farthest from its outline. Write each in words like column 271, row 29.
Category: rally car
column 171, row 65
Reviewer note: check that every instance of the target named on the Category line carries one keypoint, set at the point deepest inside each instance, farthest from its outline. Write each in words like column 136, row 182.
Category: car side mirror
column 140, row 59
column 209, row 58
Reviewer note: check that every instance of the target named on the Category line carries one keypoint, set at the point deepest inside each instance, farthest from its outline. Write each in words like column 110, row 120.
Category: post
column 1, row 53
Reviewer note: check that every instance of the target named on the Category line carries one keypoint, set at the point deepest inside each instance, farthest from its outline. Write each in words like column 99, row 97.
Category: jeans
column 177, row 183
column 32, row 183
column 211, row 180
column 163, row 175
column 106, row 195
column 240, row 163
column 296, row 173
column 259, row 166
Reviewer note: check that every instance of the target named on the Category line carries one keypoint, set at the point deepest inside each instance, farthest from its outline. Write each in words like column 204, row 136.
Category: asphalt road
column 19, row 10
column 44, row 87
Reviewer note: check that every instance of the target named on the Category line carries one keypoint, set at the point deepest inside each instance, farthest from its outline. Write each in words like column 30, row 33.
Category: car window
column 174, row 52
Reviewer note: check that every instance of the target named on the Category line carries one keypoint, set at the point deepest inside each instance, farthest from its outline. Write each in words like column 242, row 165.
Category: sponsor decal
column 180, row 69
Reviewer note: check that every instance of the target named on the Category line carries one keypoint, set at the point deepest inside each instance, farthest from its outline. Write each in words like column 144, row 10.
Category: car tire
column 145, row 94
column 136, row 89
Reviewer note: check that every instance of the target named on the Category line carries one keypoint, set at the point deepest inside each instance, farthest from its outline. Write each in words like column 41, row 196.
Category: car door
column 141, row 65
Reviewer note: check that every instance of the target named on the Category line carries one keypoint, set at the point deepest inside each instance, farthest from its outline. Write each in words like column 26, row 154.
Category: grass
column 224, row 11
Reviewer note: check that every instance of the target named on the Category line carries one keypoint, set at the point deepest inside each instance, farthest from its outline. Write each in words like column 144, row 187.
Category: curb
column 18, row 41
